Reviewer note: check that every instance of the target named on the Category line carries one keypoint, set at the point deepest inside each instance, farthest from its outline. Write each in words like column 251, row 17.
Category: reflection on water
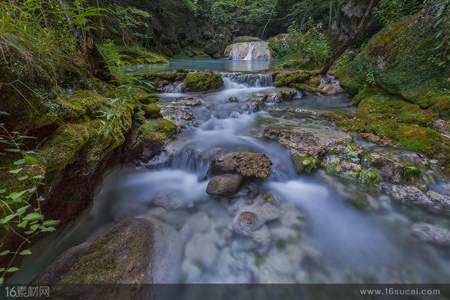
column 220, row 65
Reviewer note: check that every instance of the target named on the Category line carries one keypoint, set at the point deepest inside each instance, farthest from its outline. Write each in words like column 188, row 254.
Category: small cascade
column 173, row 88
column 242, row 80
column 251, row 49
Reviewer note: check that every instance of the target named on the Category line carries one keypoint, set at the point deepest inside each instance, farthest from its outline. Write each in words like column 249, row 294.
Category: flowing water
column 318, row 238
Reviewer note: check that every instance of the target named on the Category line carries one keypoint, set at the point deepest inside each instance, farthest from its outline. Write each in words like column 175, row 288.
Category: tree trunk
column 350, row 40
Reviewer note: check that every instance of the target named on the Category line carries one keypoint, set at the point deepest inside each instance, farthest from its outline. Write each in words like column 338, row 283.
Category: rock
column 202, row 81
column 282, row 95
column 330, row 86
column 313, row 141
column 191, row 102
column 247, row 164
column 406, row 194
column 257, row 50
column 431, row 234
column 121, row 255
column 252, row 217
column 233, row 100
column 224, row 185
column 179, row 114
column 440, row 201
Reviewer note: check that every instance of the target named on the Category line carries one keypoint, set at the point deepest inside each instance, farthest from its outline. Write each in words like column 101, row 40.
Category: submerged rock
column 122, row 255
column 224, row 185
column 247, row 164
column 431, row 234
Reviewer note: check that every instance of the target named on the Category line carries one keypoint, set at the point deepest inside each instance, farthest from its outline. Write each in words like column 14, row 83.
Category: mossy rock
column 138, row 56
column 203, row 81
column 397, row 60
column 304, row 163
column 152, row 111
column 84, row 102
column 63, row 147
column 289, row 78
column 245, row 39
column 121, row 255
column 158, row 130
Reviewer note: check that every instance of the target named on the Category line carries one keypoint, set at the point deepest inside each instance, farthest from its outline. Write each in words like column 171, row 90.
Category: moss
column 409, row 173
column 281, row 245
column 398, row 60
column 63, row 147
column 203, row 81
column 294, row 77
column 304, row 163
column 369, row 176
column 84, row 102
column 424, row 140
column 442, row 108
column 152, row 110
column 147, row 98
column 158, row 130
column 245, row 39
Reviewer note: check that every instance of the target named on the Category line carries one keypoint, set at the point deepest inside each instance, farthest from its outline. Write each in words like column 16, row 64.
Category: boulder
column 247, row 164
column 431, row 234
column 256, row 50
column 224, row 185
column 410, row 195
column 121, row 255
column 203, row 81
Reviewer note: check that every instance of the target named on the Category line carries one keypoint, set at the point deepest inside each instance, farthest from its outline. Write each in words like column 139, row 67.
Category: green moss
column 369, row 176
column 63, row 147
column 295, row 77
column 158, row 130
column 304, row 163
column 245, row 39
column 442, row 108
column 409, row 173
column 281, row 245
column 398, row 59
column 203, row 81
column 138, row 55
column 152, row 110
column 80, row 103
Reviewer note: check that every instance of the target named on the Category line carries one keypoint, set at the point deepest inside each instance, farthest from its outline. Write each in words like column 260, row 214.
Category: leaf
column 15, row 171
column 25, row 252
column 23, row 178
column 22, row 224
column 12, row 150
column 7, row 218
column 51, row 223
column 2, row 280
column 32, row 216
column 20, row 162
column 12, row 270
column 2, row 191
column 6, row 252
column 16, row 195
column 22, row 209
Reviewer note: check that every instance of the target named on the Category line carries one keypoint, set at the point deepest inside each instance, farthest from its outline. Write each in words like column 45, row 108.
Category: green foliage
column 129, row 22
column 389, row 11
column 311, row 48
column 20, row 203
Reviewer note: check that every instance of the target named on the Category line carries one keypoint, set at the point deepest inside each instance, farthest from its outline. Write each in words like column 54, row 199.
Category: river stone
column 224, row 185
column 440, row 201
column 121, row 255
column 250, row 218
column 247, row 164
column 407, row 194
column 431, row 234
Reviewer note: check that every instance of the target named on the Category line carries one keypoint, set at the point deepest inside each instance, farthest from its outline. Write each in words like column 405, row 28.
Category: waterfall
column 251, row 49
column 176, row 88
column 242, row 80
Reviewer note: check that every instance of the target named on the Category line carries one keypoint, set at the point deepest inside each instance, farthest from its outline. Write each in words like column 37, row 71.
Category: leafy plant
column 20, row 202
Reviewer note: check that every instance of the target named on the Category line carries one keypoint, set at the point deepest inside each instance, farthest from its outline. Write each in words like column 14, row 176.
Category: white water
column 323, row 238
column 251, row 49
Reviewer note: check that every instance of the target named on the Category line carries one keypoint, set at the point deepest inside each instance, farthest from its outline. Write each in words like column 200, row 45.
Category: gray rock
column 224, row 185
column 431, row 234
column 407, row 194
column 440, row 201
column 247, row 164
column 252, row 217
column 120, row 255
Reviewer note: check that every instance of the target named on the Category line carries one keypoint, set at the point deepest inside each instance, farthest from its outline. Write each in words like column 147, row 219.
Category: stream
column 317, row 238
